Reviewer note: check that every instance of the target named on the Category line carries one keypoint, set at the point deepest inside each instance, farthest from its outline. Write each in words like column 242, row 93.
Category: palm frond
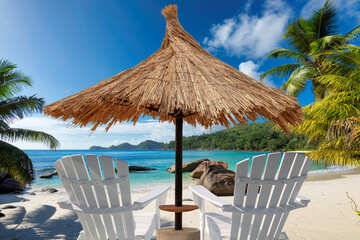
column 298, row 79
column 314, row 129
column 6, row 66
column 19, row 107
column 343, row 157
column 348, row 128
column 11, row 80
column 288, row 54
column 15, row 134
column 323, row 20
column 298, row 36
column 353, row 34
column 326, row 43
column 15, row 162
column 280, row 71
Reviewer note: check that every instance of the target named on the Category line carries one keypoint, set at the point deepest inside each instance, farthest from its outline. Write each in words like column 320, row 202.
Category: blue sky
column 67, row 46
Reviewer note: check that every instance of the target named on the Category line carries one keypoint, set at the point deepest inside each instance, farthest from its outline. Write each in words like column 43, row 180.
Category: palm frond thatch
column 180, row 79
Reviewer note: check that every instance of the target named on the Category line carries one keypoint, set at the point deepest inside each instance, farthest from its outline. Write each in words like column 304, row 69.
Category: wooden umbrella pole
column 178, row 170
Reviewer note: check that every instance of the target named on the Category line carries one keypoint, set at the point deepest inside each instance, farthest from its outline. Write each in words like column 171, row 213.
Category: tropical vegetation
column 308, row 40
column 334, row 121
column 12, row 108
column 251, row 137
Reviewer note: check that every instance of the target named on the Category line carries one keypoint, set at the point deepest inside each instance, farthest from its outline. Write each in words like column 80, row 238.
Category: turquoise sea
column 43, row 161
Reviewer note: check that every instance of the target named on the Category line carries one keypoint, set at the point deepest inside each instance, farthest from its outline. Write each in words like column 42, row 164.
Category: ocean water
column 43, row 161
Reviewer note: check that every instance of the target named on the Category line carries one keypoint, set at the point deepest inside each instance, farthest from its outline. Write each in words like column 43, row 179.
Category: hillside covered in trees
column 146, row 145
column 251, row 137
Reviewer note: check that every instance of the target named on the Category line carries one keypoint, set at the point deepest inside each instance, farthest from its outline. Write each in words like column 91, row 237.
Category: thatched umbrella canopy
column 180, row 81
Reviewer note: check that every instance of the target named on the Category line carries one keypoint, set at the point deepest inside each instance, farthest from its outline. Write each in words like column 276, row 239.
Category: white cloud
column 78, row 138
column 251, row 69
column 252, row 36
column 348, row 8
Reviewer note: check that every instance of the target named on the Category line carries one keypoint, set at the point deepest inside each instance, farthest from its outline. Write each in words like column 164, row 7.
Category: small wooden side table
column 186, row 233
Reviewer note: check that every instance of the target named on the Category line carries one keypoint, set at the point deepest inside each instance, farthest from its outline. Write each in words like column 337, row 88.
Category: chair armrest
column 148, row 198
column 205, row 194
column 302, row 200
column 65, row 203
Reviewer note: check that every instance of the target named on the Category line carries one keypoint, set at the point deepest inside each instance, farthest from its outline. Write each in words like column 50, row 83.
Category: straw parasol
column 179, row 82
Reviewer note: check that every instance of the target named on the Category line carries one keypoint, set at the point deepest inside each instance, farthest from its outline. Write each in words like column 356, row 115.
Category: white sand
column 328, row 216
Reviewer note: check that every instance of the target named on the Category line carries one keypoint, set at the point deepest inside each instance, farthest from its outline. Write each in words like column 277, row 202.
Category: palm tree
column 12, row 107
column 335, row 120
column 307, row 39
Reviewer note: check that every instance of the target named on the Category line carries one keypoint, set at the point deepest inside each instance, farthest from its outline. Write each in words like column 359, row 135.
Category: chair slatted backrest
column 266, row 187
column 93, row 186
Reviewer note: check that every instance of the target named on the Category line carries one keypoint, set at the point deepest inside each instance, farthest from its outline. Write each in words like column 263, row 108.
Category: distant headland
column 252, row 137
column 146, row 145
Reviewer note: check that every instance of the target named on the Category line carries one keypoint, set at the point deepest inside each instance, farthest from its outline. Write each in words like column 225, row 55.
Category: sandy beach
column 328, row 216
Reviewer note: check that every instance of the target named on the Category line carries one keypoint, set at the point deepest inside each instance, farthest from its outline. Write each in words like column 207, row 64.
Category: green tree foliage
column 335, row 120
column 12, row 107
column 251, row 137
column 308, row 40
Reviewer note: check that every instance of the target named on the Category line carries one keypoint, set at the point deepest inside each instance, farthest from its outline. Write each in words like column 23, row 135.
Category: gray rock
column 32, row 193
column 50, row 190
column 139, row 168
column 198, row 172
column 189, row 166
column 218, row 180
column 47, row 175
column 11, row 185
column 24, row 200
column 2, row 215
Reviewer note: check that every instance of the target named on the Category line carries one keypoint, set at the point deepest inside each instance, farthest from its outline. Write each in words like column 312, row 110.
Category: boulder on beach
column 198, row 172
column 47, row 175
column 10, row 184
column 189, row 166
column 50, row 190
column 138, row 169
column 218, row 180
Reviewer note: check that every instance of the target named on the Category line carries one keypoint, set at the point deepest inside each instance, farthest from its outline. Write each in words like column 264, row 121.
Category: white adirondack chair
column 102, row 200
column 263, row 198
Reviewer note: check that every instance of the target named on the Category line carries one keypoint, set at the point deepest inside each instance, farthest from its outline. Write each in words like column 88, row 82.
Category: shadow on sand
column 38, row 224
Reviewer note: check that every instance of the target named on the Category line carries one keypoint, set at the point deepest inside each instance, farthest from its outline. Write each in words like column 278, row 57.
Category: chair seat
column 220, row 225
column 143, row 222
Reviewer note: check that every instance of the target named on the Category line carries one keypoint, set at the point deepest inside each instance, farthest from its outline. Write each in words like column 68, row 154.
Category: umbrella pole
column 178, row 170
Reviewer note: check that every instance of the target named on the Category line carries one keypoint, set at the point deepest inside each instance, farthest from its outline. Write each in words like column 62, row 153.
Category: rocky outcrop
column 198, row 172
column 218, row 180
column 139, row 168
column 48, row 175
column 189, row 166
column 10, row 184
